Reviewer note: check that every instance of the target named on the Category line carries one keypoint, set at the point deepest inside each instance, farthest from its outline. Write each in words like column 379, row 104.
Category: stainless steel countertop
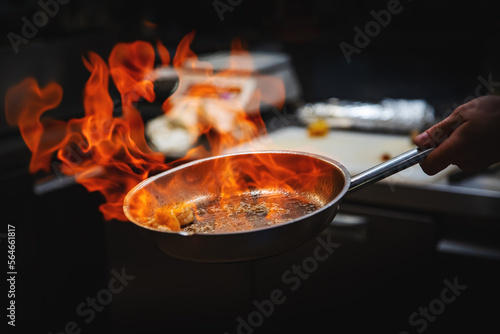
column 477, row 195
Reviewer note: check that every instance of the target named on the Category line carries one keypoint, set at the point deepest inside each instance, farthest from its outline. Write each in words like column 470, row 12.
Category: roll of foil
column 389, row 115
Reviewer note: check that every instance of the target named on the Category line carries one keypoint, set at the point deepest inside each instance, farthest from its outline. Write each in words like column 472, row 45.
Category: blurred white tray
column 357, row 151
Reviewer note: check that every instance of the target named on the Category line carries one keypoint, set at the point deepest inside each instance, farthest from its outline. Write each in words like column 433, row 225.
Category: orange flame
column 105, row 153
column 24, row 104
column 109, row 153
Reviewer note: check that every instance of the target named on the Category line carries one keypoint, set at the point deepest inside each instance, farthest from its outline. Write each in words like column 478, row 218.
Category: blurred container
column 389, row 115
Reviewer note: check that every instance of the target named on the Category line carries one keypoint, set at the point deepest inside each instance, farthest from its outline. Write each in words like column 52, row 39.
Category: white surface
column 169, row 138
column 357, row 151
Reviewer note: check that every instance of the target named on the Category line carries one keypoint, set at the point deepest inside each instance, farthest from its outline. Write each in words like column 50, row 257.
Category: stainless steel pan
column 188, row 182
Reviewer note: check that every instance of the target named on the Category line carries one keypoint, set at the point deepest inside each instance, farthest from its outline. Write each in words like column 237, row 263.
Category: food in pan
column 173, row 217
column 239, row 213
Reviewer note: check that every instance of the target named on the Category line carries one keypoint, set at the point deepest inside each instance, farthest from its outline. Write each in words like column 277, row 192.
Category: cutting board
column 357, row 151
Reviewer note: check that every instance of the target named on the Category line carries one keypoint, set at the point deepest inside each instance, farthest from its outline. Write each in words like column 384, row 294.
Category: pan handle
column 388, row 168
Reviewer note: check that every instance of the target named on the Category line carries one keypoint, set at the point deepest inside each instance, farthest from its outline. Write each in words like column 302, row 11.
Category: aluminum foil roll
column 388, row 115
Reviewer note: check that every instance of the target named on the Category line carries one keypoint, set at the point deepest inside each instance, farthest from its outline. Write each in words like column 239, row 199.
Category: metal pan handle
column 388, row 168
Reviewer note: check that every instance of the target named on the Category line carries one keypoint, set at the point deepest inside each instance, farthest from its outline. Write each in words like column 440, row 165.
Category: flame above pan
column 110, row 154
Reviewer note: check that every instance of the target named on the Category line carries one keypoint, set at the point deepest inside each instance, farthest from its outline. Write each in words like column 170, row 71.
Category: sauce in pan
column 248, row 212
column 239, row 213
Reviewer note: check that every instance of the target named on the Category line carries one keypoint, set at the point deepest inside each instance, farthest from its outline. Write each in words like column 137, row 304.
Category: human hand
column 468, row 138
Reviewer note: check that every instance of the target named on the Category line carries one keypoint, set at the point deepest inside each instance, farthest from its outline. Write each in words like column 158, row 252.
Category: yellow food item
column 172, row 217
column 185, row 217
column 318, row 128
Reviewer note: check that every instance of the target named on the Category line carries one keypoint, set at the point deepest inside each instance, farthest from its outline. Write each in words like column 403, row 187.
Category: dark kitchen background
column 399, row 248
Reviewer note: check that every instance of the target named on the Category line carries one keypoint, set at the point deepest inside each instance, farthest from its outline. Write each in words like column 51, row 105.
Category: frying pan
column 202, row 180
